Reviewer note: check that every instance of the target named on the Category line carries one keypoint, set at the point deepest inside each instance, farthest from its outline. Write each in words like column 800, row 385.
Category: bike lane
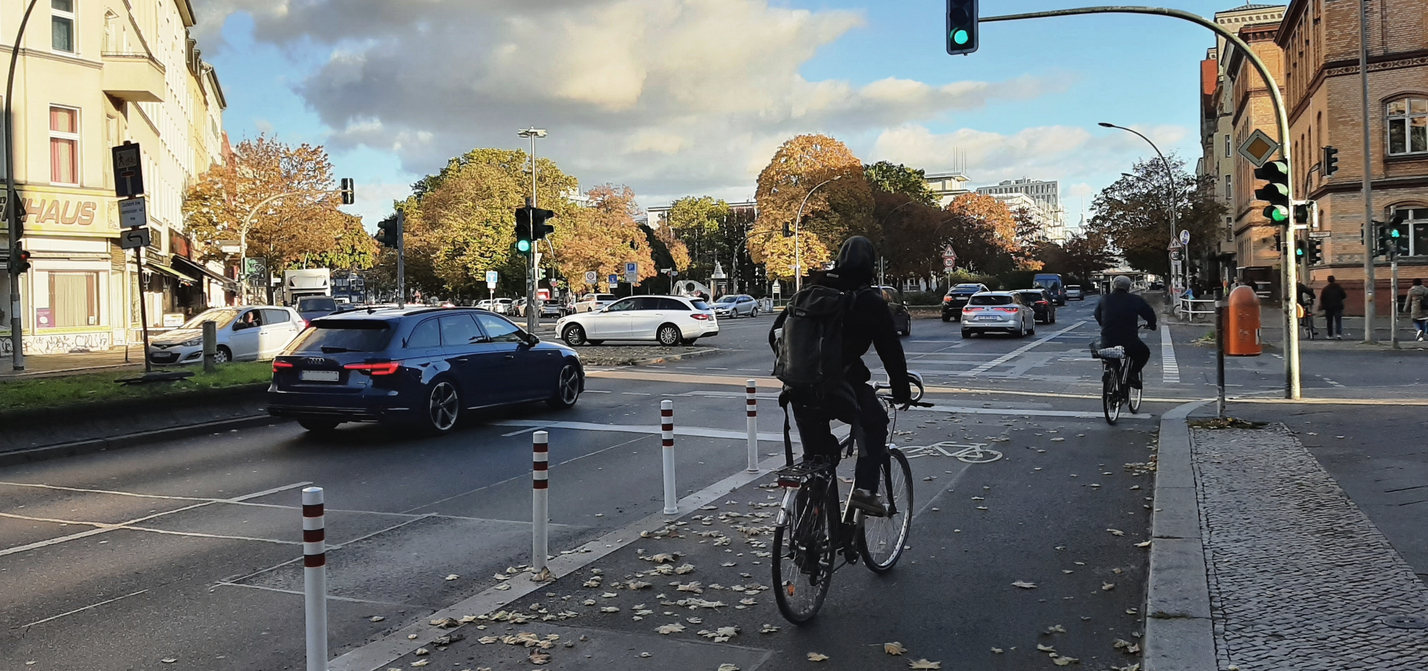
column 1061, row 511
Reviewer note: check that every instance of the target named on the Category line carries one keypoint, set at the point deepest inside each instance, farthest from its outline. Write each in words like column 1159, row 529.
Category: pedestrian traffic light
column 524, row 242
column 539, row 228
column 1330, row 161
column 348, row 196
column 21, row 258
column 1276, row 191
column 1315, row 252
column 1398, row 232
column 961, row 27
column 1301, row 250
column 389, row 231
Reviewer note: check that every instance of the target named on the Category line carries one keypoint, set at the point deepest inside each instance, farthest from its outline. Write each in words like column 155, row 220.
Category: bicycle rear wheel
column 804, row 553
column 882, row 539
column 1111, row 396
column 1133, row 398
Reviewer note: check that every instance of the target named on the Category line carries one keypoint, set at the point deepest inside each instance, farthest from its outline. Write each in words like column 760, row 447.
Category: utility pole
column 12, row 205
column 1369, row 281
column 532, row 311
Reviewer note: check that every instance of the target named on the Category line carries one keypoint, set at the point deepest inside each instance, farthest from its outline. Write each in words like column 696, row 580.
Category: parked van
column 1051, row 282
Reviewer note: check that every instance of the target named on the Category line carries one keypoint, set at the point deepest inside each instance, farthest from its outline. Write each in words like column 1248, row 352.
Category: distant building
column 947, row 185
column 659, row 215
column 1042, row 197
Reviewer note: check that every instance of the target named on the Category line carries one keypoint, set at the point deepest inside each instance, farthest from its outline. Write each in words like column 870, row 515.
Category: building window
column 74, row 301
column 1408, row 126
column 1227, row 145
column 64, row 145
column 62, row 25
column 1417, row 230
column 1230, row 189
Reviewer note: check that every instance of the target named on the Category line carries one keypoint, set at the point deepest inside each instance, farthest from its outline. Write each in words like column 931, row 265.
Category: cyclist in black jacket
column 1119, row 313
column 869, row 323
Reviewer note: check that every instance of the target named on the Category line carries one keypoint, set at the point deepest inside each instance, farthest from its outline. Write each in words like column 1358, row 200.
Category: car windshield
column 727, row 299
column 316, row 303
column 1032, row 296
column 220, row 319
column 966, row 289
column 605, row 297
column 991, row 299
column 700, row 305
column 330, row 336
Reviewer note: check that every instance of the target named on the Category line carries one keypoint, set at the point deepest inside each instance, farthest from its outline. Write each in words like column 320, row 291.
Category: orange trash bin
column 1242, row 323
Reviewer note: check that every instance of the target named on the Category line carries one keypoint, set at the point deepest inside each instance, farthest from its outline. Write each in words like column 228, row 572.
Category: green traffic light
column 1395, row 233
column 523, row 246
column 960, row 36
column 1278, row 214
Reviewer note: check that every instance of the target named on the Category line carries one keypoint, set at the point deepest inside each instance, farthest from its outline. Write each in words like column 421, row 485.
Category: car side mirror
column 530, row 339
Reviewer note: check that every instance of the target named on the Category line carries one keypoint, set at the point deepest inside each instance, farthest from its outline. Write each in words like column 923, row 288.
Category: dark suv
column 956, row 299
column 421, row 365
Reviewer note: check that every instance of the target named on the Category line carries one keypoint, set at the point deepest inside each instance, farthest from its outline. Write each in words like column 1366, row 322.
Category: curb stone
column 80, row 447
column 1179, row 632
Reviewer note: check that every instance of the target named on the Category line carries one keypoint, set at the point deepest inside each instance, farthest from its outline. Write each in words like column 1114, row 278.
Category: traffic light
column 1278, row 242
column 22, row 259
column 1301, row 212
column 1330, row 161
column 524, row 242
column 389, row 231
column 961, row 27
column 348, row 196
column 787, row 230
column 540, row 229
column 1276, row 191
column 1301, row 250
column 1398, row 233
column 1314, row 252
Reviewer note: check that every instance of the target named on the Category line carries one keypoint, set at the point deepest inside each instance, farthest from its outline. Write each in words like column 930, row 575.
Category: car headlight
column 191, row 343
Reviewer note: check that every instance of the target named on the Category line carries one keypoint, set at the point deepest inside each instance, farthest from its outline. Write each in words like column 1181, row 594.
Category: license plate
column 989, row 318
column 163, row 356
column 318, row 376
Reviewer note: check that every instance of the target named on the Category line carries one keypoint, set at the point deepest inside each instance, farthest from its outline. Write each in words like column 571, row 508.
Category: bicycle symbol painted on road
column 971, row 453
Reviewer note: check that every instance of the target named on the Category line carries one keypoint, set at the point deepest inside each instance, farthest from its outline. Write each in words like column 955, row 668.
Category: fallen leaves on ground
column 894, row 648
column 1024, row 584
column 1126, row 646
column 923, row 664
column 453, row 577
column 727, row 667
column 1045, row 648
column 538, row 657
column 1116, row 532
column 1064, row 661
column 768, row 629
column 446, row 623
column 817, row 657
column 668, row 629
column 1056, row 629
column 1107, row 586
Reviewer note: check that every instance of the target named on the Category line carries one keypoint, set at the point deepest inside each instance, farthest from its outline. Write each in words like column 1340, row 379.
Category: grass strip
column 77, row 390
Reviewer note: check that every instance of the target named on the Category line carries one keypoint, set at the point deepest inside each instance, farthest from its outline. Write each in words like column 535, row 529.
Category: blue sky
column 633, row 93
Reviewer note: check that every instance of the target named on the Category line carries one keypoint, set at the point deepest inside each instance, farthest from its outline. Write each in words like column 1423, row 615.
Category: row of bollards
column 314, row 533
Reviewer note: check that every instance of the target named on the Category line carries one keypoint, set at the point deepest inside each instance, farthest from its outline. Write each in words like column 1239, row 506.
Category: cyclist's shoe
column 868, row 502
column 1135, row 381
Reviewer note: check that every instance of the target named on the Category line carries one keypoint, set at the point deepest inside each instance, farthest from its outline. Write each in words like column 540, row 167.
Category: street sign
column 1175, row 244
column 133, row 213
column 949, row 258
column 134, row 238
column 591, row 276
column 614, row 280
column 491, row 277
column 1319, row 235
column 1258, row 148
column 632, row 272
column 1185, row 238
column 128, row 170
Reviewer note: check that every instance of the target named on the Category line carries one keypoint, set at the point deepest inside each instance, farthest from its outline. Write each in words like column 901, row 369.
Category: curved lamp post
column 798, row 249
column 11, row 206
column 1169, row 175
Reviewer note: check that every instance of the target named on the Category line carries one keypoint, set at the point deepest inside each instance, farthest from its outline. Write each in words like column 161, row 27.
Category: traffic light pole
column 1291, row 274
column 12, row 209
column 401, row 258
column 1369, row 235
column 1393, row 297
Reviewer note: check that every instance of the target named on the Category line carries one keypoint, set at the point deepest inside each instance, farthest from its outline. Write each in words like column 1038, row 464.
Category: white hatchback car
column 668, row 320
column 998, row 311
column 244, row 334
column 593, row 302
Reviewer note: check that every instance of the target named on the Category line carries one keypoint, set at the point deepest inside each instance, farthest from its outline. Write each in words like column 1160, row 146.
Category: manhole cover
column 1406, row 621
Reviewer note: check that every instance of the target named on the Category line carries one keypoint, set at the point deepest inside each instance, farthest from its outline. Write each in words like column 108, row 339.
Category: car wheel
column 908, row 330
column 753, row 313
column 567, row 388
column 946, row 318
column 688, row 341
column 1053, row 319
column 669, row 335
column 597, row 342
column 1032, row 331
column 443, row 406
column 574, row 335
column 966, row 333
column 318, row 425
column 223, row 355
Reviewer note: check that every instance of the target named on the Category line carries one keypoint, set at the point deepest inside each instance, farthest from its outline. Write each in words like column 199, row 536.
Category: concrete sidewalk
column 48, row 365
column 1263, row 562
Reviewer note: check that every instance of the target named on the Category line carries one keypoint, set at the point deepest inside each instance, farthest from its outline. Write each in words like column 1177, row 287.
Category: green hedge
column 78, row 390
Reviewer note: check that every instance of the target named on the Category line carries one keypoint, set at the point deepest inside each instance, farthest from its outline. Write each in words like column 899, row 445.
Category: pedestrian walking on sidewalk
column 1331, row 299
column 1417, row 296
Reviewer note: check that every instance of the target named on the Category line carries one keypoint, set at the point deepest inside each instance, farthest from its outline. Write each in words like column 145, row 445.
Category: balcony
column 135, row 77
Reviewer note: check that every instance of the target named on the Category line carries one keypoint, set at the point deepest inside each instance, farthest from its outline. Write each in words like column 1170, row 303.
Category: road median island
column 58, row 416
column 638, row 355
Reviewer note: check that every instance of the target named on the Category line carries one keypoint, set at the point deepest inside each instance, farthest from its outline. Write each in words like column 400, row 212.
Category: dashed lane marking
column 1019, row 351
column 1169, row 370
column 81, row 610
column 1023, row 412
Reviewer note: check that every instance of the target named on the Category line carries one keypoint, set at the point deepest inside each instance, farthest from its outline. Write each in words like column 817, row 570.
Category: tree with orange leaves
column 842, row 204
column 602, row 238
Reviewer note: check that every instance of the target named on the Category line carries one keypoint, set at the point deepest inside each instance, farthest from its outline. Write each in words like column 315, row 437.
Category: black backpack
column 809, row 356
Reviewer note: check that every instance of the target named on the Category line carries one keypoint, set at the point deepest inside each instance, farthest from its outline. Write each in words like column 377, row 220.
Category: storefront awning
column 165, row 270
column 197, row 270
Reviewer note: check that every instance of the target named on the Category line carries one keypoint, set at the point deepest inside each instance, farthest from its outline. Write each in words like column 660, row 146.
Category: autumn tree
column 1133, row 214
column 983, row 233
column 844, row 203
column 297, row 227
column 1029, row 234
column 602, row 238
column 698, row 221
column 910, row 182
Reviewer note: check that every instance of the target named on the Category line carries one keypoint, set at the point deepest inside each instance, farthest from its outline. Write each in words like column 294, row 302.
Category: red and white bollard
column 751, row 406
column 540, row 502
column 314, row 563
column 666, row 432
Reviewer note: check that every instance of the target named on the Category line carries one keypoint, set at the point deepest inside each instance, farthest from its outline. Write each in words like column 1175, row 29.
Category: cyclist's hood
column 856, row 260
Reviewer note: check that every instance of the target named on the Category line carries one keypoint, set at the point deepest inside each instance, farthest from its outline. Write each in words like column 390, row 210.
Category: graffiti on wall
column 64, row 343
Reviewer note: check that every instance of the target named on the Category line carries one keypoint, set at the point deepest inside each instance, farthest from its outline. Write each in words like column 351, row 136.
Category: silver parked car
column 998, row 311
column 244, row 334
column 733, row 306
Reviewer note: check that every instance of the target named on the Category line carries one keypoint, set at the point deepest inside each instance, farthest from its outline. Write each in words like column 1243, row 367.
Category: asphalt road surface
column 190, row 550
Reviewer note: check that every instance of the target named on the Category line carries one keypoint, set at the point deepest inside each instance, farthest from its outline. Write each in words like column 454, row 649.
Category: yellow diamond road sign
column 1258, row 148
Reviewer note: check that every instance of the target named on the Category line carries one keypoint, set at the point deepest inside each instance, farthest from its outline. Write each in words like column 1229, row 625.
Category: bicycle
column 1116, row 389
column 814, row 527
column 1306, row 319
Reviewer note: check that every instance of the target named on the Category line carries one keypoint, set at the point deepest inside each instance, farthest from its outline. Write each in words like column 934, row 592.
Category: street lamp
column 1169, row 176
column 797, row 249
column 12, row 206
column 532, row 315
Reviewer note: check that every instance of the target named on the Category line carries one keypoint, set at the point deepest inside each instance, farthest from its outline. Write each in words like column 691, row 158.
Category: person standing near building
column 1331, row 299
column 1417, row 296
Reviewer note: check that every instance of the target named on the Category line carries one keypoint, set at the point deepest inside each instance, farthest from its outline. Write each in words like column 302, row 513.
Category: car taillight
column 306, row 323
column 1041, row 303
column 970, row 308
column 1006, row 309
column 701, row 316
column 280, row 364
column 946, row 299
column 385, row 368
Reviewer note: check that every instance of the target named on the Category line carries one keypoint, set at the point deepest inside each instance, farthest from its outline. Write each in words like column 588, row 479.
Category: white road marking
column 518, row 432
column 80, row 610
column 1023, row 412
column 110, row 527
column 329, row 596
column 1169, row 370
column 1019, row 351
column 691, row 431
column 634, row 393
column 595, row 391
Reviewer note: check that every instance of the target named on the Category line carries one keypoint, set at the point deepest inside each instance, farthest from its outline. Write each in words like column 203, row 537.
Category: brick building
column 1320, row 43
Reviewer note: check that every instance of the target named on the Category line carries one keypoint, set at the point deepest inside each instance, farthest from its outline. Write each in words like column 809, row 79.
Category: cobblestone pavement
column 1299, row 577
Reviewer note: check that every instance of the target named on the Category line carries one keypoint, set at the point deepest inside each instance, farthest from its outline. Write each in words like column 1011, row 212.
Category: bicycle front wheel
column 803, row 558
column 881, row 539
column 1111, row 397
column 1134, row 399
